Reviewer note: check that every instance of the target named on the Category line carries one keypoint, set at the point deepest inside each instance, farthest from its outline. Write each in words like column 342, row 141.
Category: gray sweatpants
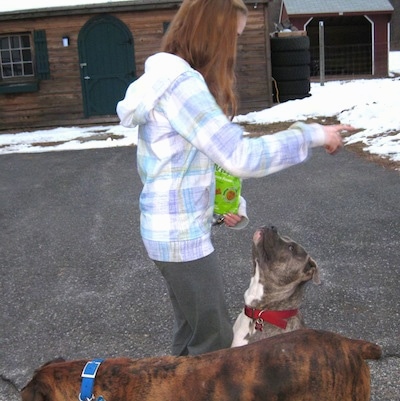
column 196, row 291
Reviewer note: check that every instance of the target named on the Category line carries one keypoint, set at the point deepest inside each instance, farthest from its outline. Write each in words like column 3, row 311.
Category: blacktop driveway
column 76, row 281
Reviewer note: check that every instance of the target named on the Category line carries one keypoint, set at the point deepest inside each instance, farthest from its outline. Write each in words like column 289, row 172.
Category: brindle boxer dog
column 281, row 268
column 305, row 364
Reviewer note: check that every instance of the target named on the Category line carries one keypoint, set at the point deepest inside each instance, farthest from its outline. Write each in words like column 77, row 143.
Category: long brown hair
column 204, row 33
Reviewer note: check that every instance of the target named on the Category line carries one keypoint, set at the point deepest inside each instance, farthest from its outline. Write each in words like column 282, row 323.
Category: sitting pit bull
column 281, row 267
column 305, row 364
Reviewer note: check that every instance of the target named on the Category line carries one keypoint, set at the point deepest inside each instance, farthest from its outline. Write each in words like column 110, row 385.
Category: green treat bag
column 227, row 192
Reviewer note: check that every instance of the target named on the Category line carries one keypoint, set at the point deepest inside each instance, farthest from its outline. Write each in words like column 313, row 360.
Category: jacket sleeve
column 194, row 114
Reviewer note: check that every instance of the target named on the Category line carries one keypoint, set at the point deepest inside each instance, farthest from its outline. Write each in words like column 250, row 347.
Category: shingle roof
column 309, row 7
column 46, row 4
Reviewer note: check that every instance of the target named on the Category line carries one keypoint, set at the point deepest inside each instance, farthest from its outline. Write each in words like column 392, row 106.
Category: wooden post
column 321, row 53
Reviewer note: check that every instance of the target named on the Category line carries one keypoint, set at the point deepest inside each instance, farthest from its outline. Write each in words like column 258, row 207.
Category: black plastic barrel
column 290, row 61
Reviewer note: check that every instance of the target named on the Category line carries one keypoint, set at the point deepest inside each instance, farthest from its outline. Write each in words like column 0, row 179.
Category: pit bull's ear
column 315, row 277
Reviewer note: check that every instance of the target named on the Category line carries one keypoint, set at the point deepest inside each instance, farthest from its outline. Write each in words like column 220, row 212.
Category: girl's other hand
column 231, row 219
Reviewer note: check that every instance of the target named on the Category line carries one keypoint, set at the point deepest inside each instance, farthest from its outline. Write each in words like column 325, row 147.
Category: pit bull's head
column 281, row 268
column 280, row 260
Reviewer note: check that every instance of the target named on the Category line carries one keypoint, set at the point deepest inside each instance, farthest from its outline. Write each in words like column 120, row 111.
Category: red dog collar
column 276, row 317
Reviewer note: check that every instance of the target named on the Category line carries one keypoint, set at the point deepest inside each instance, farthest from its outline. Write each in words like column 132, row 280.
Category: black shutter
column 42, row 58
column 166, row 25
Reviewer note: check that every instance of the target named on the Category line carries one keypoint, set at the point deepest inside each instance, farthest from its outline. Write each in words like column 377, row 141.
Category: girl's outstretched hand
column 333, row 138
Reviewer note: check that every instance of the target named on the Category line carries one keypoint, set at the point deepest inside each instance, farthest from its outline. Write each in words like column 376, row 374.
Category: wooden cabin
column 356, row 34
column 71, row 65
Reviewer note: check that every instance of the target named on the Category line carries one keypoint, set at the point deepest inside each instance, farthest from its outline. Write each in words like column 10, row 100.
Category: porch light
column 65, row 41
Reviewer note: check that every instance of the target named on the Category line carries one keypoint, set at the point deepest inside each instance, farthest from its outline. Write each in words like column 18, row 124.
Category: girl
column 181, row 105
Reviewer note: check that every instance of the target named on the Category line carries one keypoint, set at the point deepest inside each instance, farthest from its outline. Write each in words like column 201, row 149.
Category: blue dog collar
column 88, row 376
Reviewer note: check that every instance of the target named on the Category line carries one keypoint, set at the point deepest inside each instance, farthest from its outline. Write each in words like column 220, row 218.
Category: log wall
column 59, row 99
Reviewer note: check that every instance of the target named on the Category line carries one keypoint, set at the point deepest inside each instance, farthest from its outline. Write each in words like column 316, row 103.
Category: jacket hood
column 160, row 71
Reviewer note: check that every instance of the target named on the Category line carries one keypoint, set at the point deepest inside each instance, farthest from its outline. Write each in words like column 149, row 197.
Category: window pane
column 14, row 40
column 16, row 55
column 26, row 55
column 4, row 43
column 28, row 69
column 6, row 70
column 5, row 56
column 17, row 69
column 25, row 42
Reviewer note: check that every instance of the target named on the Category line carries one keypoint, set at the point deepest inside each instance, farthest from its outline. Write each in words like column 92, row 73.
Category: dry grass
column 357, row 148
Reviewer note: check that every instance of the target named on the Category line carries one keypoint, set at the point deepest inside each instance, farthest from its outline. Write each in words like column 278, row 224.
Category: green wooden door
column 107, row 62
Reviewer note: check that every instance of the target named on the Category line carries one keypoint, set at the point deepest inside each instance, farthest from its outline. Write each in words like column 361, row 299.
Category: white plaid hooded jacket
column 183, row 133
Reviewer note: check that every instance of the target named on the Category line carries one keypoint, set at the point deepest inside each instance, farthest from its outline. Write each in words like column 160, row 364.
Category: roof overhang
column 110, row 6
column 340, row 14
